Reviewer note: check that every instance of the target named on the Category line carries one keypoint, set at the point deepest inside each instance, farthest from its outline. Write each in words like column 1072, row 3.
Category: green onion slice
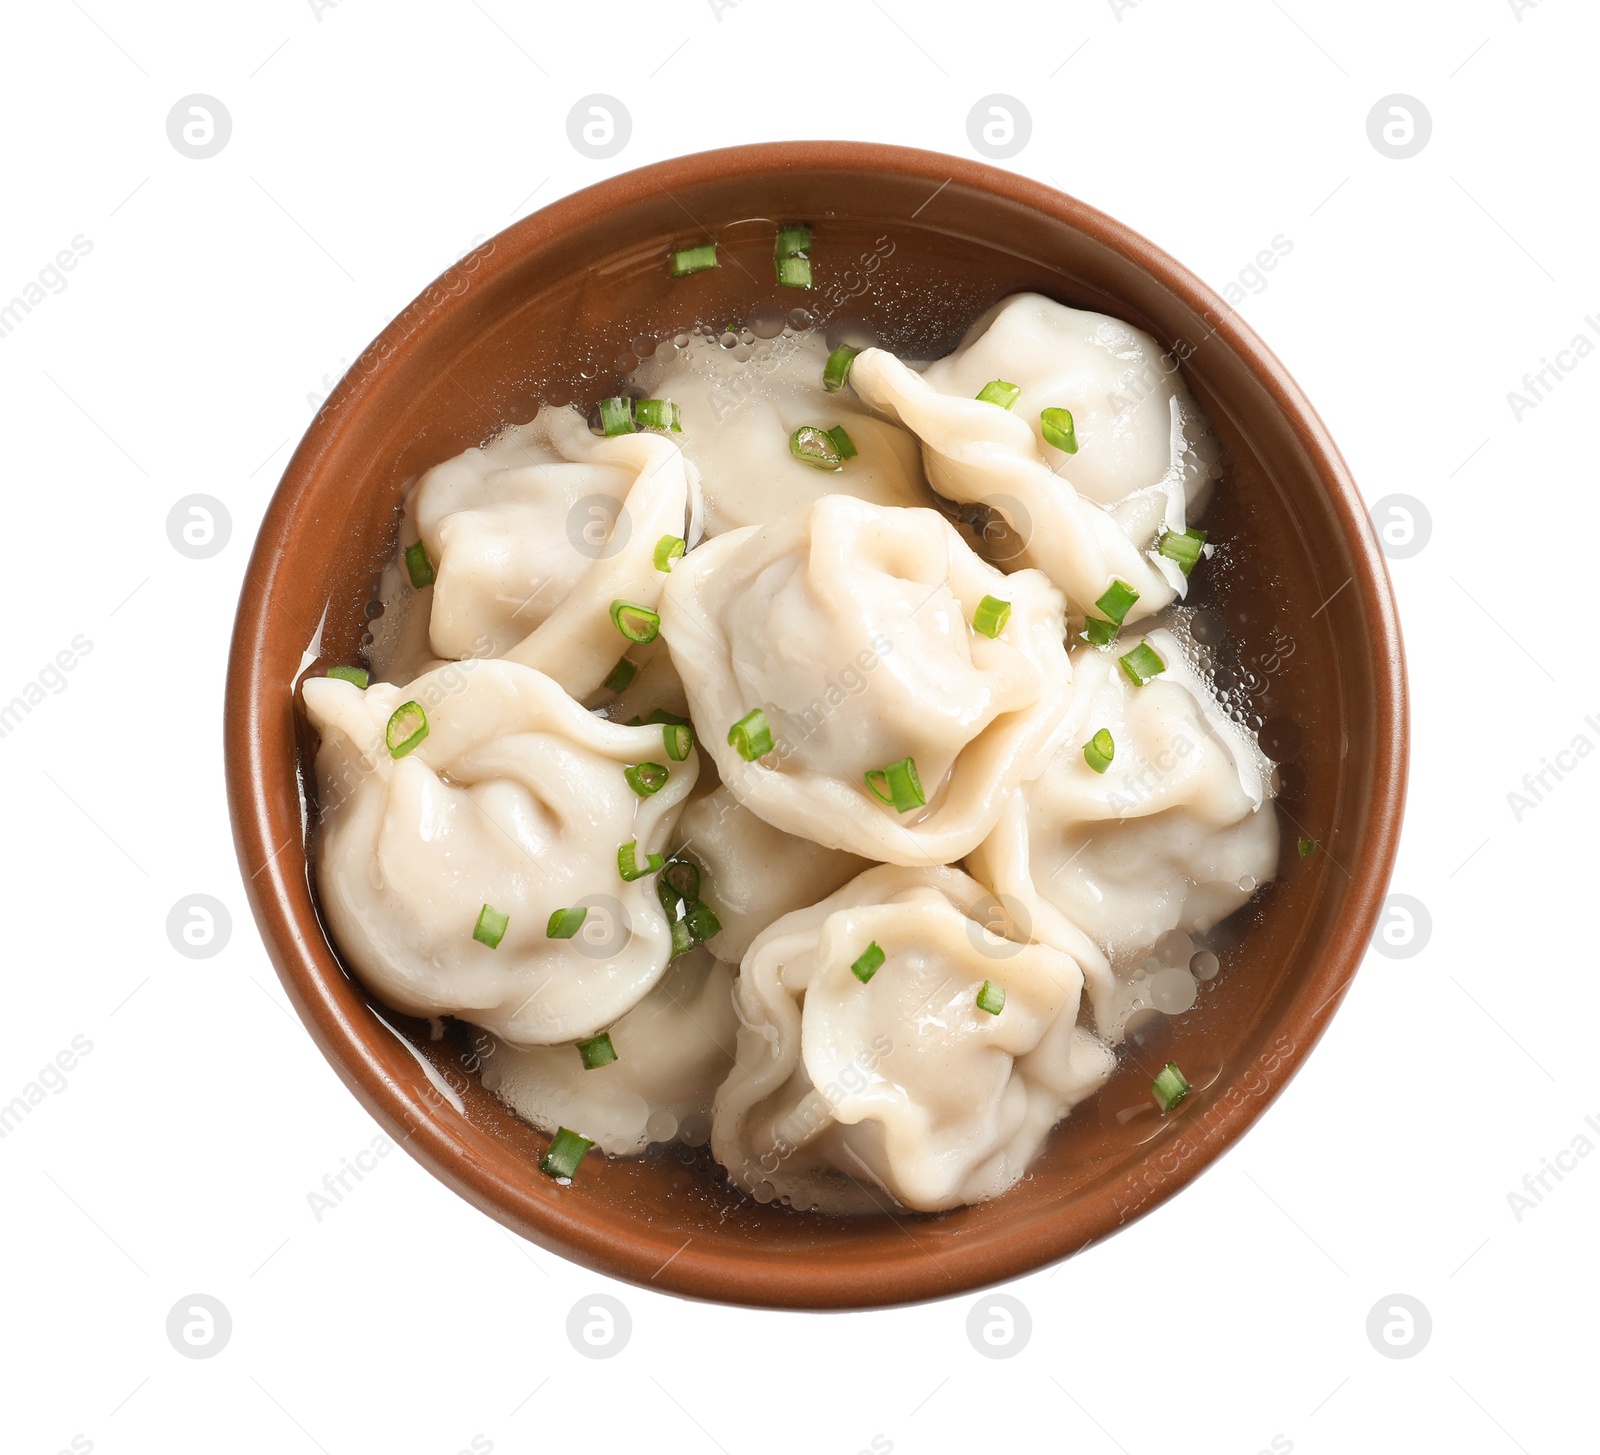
column 628, row 865
column 694, row 260
column 680, row 879
column 793, row 238
column 1100, row 750
column 646, row 778
column 668, row 550
column 868, row 962
column 657, row 414
column 1141, row 664
column 992, row 998
column 897, row 785
column 1170, row 1087
column 621, row 675
column 616, row 416
column 418, row 567
column 565, row 923
column 491, row 927
column 408, row 726
column 702, row 921
column 567, row 1150
column 837, row 371
column 997, row 391
column 794, row 272
column 1056, row 426
column 1182, row 546
column 358, row 675
column 682, row 940
column 637, row 623
column 991, row 616
column 843, row 443
column 597, row 1051
column 1308, row 847
column 1099, row 633
column 751, row 735
column 814, row 446
column 1118, row 599
column 677, row 738
column 662, row 715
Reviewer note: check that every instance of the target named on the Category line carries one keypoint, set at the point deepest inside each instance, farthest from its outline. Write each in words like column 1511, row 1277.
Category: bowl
column 916, row 244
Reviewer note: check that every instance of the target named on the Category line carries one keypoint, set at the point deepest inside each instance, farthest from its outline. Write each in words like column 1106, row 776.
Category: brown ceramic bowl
column 917, row 243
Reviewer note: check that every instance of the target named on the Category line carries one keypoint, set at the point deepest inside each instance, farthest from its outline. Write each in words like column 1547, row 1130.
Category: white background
column 373, row 144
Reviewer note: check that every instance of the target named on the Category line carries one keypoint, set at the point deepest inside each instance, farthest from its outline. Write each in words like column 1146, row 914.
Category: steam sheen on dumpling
column 1146, row 460
column 516, row 799
column 851, row 630
column 844, row 1091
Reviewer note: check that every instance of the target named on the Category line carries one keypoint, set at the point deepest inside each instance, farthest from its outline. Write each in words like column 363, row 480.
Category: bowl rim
column 380, row 1073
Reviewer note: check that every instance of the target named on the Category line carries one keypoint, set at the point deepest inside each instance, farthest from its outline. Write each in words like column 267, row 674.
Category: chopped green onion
column 637, row 623
column 1100, row 750
column 668, row 550
column 621, row 675
column 837, row 371
column 662, row 715
column 1056, row 426
column 566, row 1152
column 814, row 446
column 657, row 414
column 997, row 391
column 1099, row 633
column 794, row 237
column 1118, row 599
column 751, row 735
column 616, row 416
column 702, row 921
column 408, row 726
column 992, row 998
column 1182, row 546
column 794, row 272
column 843, row 443
column 418, row 567
column 358, row 675
column 868, row 962
column 1141, row 664
column 1170, row 1087
column 680, row 879
column 646, row 778
column 1308, row 847
column 991, row 616
column 694, row 260
column 897, row 785
column 677, row 738
column 491, row 927
column 565, row 923
column 597, row 1051
column 628, row 865
column 682, row 940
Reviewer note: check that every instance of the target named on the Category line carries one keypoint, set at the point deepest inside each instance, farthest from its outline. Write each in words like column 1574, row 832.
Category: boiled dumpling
column 853, row 1082
column 738, row 417
column 850, row 632
column 516, row 799
column 1145, row 462
column 753, row 872
column 535, row 535
column 1177, row 833
column 672, row 1050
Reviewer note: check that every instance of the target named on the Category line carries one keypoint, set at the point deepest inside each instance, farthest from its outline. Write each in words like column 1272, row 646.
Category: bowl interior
column 915, row 245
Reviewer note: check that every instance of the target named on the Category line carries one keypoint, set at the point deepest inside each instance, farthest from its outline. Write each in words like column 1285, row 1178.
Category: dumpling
column 1145, row 463
column 673, row 1050
column 853, row 1081
column 753, row 872
column 1176, row 834
column 737, row 419
column 535, row 535
column 516, row 799
column 850, row 632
